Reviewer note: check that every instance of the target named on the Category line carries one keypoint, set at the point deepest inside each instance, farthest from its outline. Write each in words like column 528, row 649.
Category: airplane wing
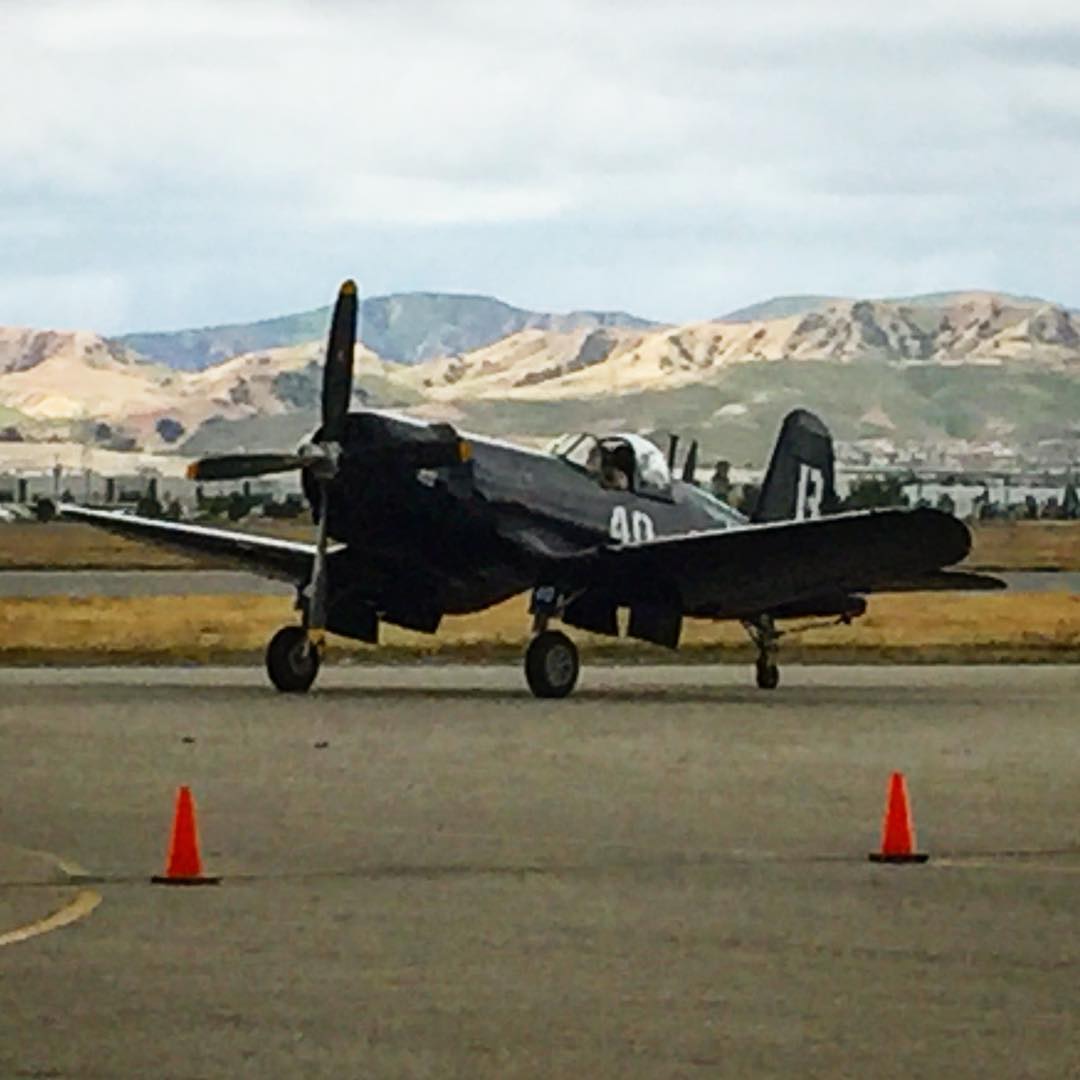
column 742, row 571
column 287, row 560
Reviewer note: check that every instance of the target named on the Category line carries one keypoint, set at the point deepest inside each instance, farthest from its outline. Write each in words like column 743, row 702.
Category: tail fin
column 799, row 482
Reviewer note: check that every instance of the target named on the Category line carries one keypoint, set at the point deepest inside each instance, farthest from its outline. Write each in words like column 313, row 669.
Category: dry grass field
column 1026, row 545
column 62, row 545
column 1021, row 545
column 935, row 627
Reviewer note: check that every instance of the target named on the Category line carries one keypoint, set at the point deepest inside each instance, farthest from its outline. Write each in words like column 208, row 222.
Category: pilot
column 614, row 474
column 613, row 477
column 604, row 464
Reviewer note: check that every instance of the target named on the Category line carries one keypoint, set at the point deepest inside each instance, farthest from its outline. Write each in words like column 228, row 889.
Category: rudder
column 799, row 482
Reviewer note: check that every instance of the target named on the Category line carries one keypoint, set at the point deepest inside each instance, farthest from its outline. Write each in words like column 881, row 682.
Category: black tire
column 290, row 662
column 551, row 665
column 768, row 674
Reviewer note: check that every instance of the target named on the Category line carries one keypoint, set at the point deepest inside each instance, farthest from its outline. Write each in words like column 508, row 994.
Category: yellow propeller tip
column 348, row 288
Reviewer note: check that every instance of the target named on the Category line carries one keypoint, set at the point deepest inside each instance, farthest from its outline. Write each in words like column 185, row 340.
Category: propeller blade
column 338, row 372
column 238, row 466
column 690, row 464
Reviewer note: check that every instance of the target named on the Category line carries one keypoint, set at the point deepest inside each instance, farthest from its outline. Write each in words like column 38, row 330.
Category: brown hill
column 69, row 375
column 541, row 380
column 973, row 328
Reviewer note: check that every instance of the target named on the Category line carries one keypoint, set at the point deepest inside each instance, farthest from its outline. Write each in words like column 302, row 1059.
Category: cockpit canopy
column 618, row 462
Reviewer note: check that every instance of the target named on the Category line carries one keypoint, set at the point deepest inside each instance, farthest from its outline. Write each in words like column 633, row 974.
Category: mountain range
column 973, row 365
column 406, row 327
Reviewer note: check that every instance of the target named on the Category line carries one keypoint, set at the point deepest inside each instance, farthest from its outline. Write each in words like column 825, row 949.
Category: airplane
column 416, row 520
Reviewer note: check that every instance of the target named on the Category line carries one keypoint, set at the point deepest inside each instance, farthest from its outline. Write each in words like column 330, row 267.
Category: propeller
column 336, row 392
column 424, row 447
column 320, row 456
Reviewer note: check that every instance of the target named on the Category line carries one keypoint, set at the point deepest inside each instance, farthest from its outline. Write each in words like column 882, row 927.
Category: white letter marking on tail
column 810, row 491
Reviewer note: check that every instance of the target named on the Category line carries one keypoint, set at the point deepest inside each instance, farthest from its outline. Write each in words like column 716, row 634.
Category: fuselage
column 463, row 537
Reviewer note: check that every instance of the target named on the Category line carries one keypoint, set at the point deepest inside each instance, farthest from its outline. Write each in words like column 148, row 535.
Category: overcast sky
column 176, row 165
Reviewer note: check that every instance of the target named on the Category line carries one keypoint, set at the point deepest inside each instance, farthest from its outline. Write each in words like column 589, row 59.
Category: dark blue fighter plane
column 416, row 521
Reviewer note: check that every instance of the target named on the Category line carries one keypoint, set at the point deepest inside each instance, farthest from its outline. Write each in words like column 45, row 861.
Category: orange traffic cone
column 897, row 830
column 184, row 866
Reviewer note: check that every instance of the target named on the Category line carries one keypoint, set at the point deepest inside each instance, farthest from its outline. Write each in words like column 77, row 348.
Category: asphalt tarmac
column 19, row 583
column 427, row 873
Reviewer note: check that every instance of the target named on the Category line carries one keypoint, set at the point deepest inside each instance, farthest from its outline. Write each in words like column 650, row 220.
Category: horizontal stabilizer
column 942, row 581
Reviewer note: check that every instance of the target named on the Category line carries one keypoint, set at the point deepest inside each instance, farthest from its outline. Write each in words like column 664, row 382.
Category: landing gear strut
column 766, row 637
column 292, row 660
column 551, row 660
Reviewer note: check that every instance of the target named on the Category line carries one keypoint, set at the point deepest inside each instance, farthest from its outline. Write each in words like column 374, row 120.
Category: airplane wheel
column 768, row 675
column 291, row 665
column 551, row 665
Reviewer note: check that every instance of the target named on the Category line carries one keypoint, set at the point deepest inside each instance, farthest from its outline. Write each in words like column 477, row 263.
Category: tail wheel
column 292, row 662
column 551, row 665
column 768, row 673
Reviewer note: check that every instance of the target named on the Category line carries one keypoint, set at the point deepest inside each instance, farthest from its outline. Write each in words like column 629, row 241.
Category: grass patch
column 219, row 629
column 1025, row 545
column 70, row 545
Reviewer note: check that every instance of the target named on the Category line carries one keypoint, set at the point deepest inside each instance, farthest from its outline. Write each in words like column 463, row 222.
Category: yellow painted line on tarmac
column 84, row 902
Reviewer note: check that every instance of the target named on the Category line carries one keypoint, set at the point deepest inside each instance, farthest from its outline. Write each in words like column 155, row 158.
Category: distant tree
column 1070, row 503
column 946, row 503
column 1031, row 507
column 148, row 505
column 290, row 507
column 169, row 429
column 44, row 509
column 299, row 389
column 238, row 506
column 1051, row 510
column 871, row 493
column 174, row 511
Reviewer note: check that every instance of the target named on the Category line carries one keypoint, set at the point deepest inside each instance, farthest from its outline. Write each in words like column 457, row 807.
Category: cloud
column 686, row 157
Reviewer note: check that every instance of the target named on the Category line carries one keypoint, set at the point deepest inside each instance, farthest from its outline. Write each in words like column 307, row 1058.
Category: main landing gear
column 292, row 660
column 766, row 637
column 551, row 660
column 551, row 664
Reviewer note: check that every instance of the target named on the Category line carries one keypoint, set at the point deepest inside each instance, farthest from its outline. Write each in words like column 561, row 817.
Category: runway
column 428, row 873
column 25, row 583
